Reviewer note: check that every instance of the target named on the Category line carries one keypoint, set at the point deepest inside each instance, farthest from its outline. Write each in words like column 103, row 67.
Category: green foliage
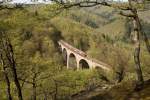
column 34, row 33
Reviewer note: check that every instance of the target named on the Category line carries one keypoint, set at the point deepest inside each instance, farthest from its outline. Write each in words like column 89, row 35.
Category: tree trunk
column 137, row 31
column 34, row 86
column 34, row 91
column 13, row 66
column 8, row 87
column 7, row 48
column 17, row 83
column 6, row 78
column 56, row 90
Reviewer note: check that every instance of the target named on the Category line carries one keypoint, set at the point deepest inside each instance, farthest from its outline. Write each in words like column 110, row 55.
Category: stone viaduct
column 82, row 60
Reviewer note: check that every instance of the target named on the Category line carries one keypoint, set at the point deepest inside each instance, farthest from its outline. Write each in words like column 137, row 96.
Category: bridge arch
column 72, row 61
column 83, row 64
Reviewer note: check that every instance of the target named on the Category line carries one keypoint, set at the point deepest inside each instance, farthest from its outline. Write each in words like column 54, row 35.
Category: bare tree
column 33, row 80
column 4, row 66
column 9, row 55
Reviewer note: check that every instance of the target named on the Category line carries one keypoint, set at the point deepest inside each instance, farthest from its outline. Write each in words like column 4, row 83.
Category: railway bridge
column 81, row 58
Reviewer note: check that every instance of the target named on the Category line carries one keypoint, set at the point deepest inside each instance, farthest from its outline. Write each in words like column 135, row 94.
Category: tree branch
column 24, row 80
column 127, row 14
column 91, row 4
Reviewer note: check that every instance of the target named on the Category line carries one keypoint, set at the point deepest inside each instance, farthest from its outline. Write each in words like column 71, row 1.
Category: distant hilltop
column 40, row 1
column 26, row 1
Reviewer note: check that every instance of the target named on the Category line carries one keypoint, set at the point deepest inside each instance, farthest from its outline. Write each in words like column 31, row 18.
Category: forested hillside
column 100, row 32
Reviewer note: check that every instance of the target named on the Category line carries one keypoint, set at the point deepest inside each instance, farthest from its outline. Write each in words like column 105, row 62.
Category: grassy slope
column 145, row 15
column 114, row 28
column 83, row 15
column 73, row 32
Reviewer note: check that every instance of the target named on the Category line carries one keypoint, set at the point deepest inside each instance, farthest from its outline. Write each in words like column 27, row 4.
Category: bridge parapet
column 72, row 48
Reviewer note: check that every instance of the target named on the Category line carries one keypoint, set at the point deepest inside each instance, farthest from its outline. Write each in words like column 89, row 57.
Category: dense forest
column 99, row 31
